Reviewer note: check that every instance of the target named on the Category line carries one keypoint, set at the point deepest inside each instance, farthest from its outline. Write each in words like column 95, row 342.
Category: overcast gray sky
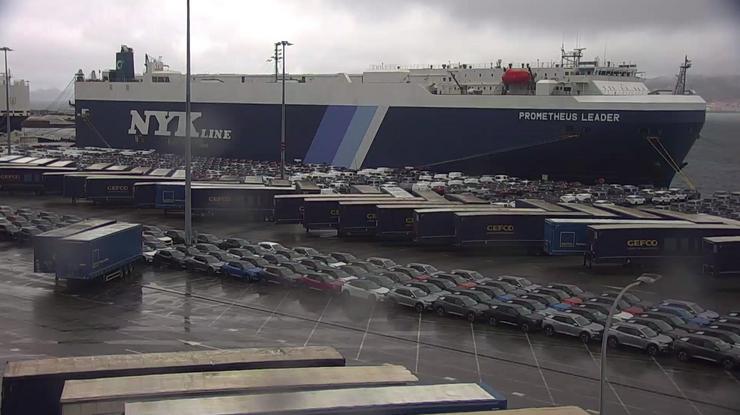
column 52, row 38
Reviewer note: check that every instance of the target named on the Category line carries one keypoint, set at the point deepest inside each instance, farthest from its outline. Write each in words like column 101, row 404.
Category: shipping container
column 35, row 386
column 510, row 229
column 105, row 252
column 701, row 218
column 429, row 195
column 721, row 256
column 45, row 244
column 289, row 208
column 107, row 396
column 397, row 192
column 248, row 202
column 396, row 221
column 592, row 211
column 645, row 243
column 629, row 213
column 26, row 178
column 436, row 226
column 360, row 218
column 415, row 399
column 116, row 189
column 323, row 213
column 145, row 195
column 540, row 204
column 569, row 236
column 73, row 184
column 365, row 189
column 466, row 198
column 307, row 188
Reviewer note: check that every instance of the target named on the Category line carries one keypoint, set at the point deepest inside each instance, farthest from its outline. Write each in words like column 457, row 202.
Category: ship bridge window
column 160, row 79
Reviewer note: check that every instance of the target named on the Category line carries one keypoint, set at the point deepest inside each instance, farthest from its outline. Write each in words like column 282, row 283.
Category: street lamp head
column 6, row 49
column 286, row 43
column 648, row 278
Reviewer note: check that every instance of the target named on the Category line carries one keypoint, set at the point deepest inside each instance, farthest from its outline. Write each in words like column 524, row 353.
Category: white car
column 602, row 202
column 471, row 180
column 149, row 255
column 425, row 178
column 583, row 197
column 568, row 198
column 635, row 200
column 455, row 175
column 501, row 178
column 662, row 197
column 364, row 289
column 486, row 179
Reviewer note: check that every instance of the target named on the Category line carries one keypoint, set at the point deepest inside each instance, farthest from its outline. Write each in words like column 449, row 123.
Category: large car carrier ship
column 571, row 120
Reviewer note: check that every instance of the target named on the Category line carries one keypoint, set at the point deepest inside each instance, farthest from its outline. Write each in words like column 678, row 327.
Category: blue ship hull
column 637, row 147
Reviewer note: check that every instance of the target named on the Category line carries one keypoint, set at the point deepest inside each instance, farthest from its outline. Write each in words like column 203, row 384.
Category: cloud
column 53, row 41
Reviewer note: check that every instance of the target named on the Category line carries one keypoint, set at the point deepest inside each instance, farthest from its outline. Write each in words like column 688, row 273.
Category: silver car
column 411, row 297
column 571, row 325
column 639, row 336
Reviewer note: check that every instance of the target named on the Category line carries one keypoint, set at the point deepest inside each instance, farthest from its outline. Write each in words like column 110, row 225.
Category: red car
column 322, row 282
column 561, row 295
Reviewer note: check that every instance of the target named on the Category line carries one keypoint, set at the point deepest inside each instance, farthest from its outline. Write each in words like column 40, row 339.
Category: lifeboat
column 516, row 76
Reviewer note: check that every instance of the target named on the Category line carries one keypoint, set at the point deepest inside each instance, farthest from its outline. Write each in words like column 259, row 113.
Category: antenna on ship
column 680, row 88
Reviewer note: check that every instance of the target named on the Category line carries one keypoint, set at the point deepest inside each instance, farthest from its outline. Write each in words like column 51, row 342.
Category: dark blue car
column 242, row 269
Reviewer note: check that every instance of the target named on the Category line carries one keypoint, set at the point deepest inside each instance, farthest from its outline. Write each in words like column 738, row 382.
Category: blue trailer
column 569, row 236
column 105, row 253
column 45, row 244
column 649, row 243
column 721, row 256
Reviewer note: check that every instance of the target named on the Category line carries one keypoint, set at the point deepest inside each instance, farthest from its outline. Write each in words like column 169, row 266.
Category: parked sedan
column 428, row 288
column 230, row 243
column 595, row 316
column 571, row 325
column 680, row 312
column 423, row 268
column 622, row 305
column 459, row 280
column 515, row 315
column 343, row 257
column 638, row 336
column 707, row 348
column 397, row 277
column 469, row 274
column 519, row 282
column 478, row 296
column 735, row 328
column 411, row 297
column 276, row 259
column 224, row 256
column 256, row 261
column 459, row 305
column 206, row 263
column 178, row 236
column 364, row 289
column 547, row 300
column 207, row 248
column 561, row 295
column 604, row 309
column 240, row 252
column 573, row 290
column 511, row 289
column 208, row 238
column 270, row 246
column 368, row 267
column 494, row 292
column 322, row 282
column 532, row 305
column 443, row 284
column 410, row 272
column 169, row 257
column 281, row 275
column 691, row 307
column 306, row 251
column 659, row 326
column 382, row 262
column 382, row 281
column 242, row 269
column 727, row 336
column 673, row 320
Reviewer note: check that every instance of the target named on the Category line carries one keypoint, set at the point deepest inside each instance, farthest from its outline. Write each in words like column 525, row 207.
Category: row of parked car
column 668, row 326
column 22, row 224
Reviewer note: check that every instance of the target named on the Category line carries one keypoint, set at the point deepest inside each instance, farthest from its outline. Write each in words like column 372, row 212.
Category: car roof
column 703, row 337
column 632, row 325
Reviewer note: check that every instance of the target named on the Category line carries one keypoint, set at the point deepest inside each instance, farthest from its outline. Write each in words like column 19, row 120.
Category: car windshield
column 662, row 325
column 383, row 280
column 467, row 301
column 696, row 308
column 576, row 290
column 524, row 311
column 483, row 297
column 723, row 345
column 525, row 282
column 581, row 321
column 432, row 288
column 648, row 332
column 371, row 285
column 210, row 259
column 416, row 293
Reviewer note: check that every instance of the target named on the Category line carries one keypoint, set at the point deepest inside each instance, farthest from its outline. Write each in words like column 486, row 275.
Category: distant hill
column 711, row 88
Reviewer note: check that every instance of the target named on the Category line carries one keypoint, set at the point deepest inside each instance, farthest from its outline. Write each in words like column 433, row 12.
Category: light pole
column 5, row 50
column 642, row 279
column 284, row 43
column 188, row 155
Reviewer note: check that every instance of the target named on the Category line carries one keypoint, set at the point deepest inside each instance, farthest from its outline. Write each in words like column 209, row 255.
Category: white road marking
column 675, row 385
column 449, row 378
column 132, row 351
column 199, row 344
column 227, row 308
column 732, row 377
column 418, row 345
column 539, row 368
column 272, row 313
column 313, row 330
column 364, row 335
column 518, row 394
column 475, row 351
column 606, row 379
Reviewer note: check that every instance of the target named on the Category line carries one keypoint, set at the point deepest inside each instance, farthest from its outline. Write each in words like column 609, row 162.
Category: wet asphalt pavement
column 169, row 310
